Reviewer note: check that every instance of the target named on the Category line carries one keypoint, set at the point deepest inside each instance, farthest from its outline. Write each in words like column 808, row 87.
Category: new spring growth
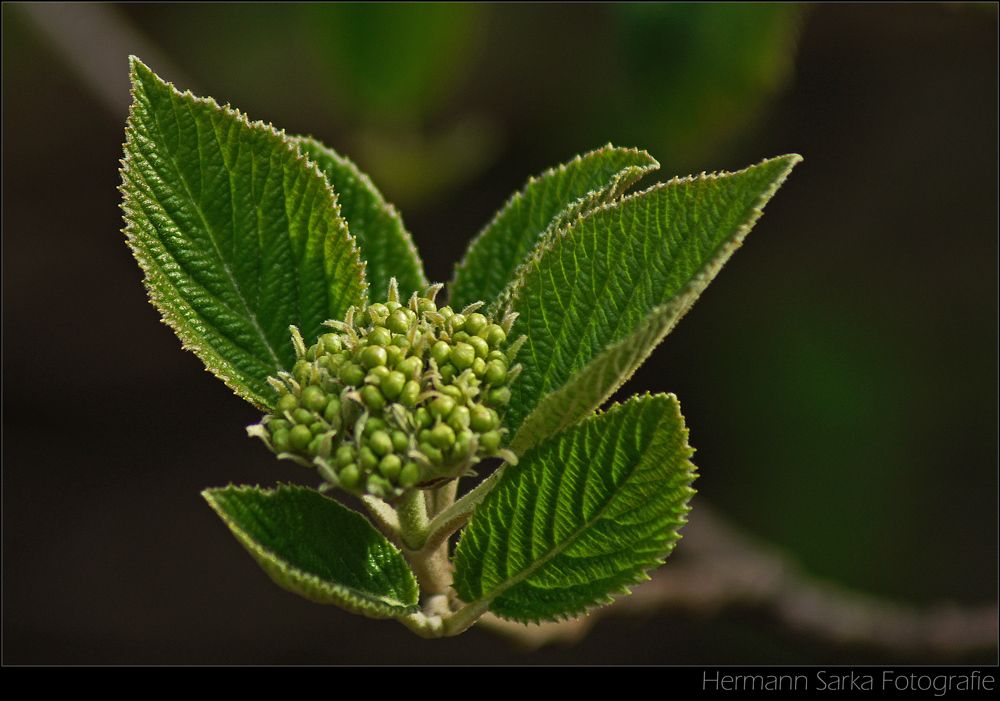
column 396, row 397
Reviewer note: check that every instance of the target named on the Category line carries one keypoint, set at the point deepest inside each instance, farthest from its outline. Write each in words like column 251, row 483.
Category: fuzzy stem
column 412, row 513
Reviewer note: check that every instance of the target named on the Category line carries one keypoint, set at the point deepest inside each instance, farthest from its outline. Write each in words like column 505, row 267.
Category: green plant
column 279, row 264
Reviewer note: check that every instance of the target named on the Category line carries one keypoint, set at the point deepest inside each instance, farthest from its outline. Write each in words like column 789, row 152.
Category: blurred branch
column 717, row 566
column 96, row 41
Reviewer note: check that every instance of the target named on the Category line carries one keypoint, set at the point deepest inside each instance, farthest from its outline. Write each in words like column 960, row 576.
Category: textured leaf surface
column 546, row 203
column 376, row 226
column 314, row 546
column 582, row 516
column 239, row 235
column 604, row 291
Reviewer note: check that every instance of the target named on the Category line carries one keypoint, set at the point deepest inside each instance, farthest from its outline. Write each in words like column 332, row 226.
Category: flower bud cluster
column 398, row 396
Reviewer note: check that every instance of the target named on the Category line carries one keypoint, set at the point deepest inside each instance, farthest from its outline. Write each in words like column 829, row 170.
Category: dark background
column 839, row 378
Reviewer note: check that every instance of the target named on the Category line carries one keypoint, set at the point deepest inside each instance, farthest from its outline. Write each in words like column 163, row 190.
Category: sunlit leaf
column 239, row 235
column 608, row 287
column 313, row 546
column 582, row 516
column 544, row 205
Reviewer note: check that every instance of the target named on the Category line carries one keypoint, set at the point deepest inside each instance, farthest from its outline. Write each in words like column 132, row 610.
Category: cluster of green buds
column 396, row 397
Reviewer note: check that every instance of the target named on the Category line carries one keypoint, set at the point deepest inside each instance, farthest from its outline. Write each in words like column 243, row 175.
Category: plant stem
column 412, row 513
column 430, row 564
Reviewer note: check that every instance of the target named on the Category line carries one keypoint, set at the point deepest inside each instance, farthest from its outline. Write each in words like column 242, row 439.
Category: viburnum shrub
column 281, row 266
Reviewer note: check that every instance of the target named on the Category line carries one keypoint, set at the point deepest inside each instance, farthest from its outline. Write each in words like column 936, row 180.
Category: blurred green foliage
column 393, row 63
column 424, row 95
column 697, row 73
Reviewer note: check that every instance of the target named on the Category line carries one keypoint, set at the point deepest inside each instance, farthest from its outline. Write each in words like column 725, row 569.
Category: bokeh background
column 839, row 377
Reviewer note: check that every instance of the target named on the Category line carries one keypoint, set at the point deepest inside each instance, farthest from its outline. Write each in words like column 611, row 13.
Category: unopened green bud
column 442, row 436
column 300, row 437
column 463, row 442
column 349, row 476
column 448, row 372
column 490, row 441
column 331, row 343
column 441, row 352
column 433, row 454
column 394, row 355
column 475, row 323
column 367, row 459
column 496, row 373
column 408, row 397
column 422, row 417
column 376, row 375
column 480, row 345
column 302, row 416
column 400, row 441
column 479, row 367
column 462, row 355
column 352, row 374
column 375, row 314
column 375, row 424
column 346, row 454
column 409, row 476
column 459, row 418
column 397, row 322
column 390, row 467
column 442, row 406
column 410, row 367
column 287, row 403
column 393, row 384
column 499, row 396
column 380, row 443
column 453, row 392
column 380, row 336
column 313, row 447
column 373, row 356
column 481, row 418
column 495, row 336
column 425, row 305
column 278, row 425
column 280, row 441
column 372, row 397
column 313, row 398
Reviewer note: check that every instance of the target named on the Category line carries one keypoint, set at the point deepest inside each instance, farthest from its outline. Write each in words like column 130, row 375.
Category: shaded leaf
column 385, row 244
column 238, row 234
column 602, row 293
column 582, row 516
column 312, row 545
column 546, row 203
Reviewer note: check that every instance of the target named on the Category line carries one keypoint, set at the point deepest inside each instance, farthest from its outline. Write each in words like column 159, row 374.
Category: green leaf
column 238, row 234
column 385, row 244
column 312, row 545
column 582, row 516
column 606, row 289
column 546, row 203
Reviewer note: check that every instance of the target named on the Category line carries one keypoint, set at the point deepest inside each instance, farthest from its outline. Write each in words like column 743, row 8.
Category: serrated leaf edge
column 678, row 305
column 638, row 577
column 319, row 590
column 623, row 179
column 363, row 177
column 178, row 314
